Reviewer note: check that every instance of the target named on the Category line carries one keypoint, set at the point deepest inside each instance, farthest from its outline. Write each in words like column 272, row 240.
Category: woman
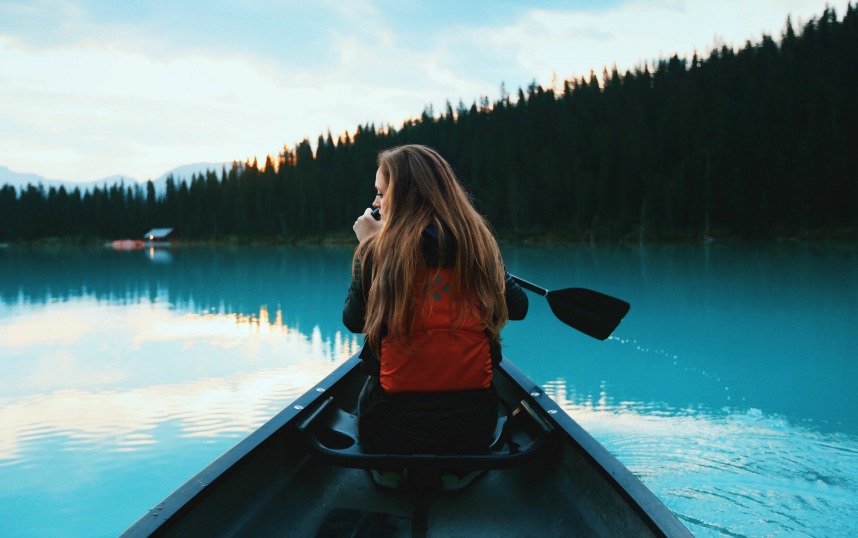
column 430, row 291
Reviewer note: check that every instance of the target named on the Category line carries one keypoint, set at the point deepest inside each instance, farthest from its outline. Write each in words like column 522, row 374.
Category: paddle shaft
column 530, row 286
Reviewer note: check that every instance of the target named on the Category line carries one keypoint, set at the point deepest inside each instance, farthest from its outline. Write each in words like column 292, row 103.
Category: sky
column 96, row 88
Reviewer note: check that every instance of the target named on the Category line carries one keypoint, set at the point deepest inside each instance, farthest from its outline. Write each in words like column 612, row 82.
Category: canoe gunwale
column 660, row 520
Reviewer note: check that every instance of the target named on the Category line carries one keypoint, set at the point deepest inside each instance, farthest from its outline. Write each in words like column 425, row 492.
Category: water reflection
column 304, row 283
column 148, row 372
column 107, row 420
column 159, row 255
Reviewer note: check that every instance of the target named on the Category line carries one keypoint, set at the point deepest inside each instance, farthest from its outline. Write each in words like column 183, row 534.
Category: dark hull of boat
column 274, row 484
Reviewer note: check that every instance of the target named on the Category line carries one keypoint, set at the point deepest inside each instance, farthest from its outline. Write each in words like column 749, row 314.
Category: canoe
column 303, row 473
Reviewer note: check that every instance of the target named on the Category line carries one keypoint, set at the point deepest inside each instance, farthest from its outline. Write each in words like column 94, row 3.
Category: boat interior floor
column 318, row 499
column 511, row 502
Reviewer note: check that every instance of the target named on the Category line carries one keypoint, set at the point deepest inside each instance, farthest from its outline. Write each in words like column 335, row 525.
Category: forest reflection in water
column 727, row 388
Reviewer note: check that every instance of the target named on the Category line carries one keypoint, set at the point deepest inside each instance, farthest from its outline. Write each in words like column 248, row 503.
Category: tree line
column 756, row 142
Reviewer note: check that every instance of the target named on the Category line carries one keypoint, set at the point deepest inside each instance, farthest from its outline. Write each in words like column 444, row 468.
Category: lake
column 728, row 389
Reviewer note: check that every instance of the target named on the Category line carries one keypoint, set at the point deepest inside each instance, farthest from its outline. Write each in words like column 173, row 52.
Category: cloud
column 123, row 106
column 90, row 90
column 104, row 111
column 571, row 43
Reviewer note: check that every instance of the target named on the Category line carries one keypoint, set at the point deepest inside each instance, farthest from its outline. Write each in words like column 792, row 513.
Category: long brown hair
column 422, row 189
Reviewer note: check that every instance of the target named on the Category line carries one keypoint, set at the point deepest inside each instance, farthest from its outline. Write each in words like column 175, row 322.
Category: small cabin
column 158, row 235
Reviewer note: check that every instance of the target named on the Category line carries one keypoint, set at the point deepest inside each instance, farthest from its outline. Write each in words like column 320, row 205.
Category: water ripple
column 738, row 465
column 140, row 419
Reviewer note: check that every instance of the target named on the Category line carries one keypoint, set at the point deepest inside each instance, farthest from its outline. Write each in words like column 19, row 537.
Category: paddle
column 594, row 314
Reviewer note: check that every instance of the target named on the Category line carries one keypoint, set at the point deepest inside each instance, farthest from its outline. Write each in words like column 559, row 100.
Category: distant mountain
column 8, row 177
column 21, row 181
column 187, row 172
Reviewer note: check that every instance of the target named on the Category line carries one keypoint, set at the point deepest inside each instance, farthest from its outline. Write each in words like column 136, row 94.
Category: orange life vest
column 442, row 355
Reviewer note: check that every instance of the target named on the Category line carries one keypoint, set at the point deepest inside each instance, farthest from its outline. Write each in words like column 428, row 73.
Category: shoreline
column 834, row 237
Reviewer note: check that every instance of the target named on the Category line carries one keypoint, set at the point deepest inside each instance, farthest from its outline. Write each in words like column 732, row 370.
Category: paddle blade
column 594, row 314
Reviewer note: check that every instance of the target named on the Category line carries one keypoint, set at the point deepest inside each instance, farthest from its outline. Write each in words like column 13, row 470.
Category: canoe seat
column 330, row 434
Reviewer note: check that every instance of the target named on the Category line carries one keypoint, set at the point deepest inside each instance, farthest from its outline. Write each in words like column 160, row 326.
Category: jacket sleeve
column 354, row 311
column 516, row 299
column 354, row 316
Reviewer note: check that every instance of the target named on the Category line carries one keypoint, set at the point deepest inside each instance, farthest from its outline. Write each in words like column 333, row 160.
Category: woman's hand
column 366, row 225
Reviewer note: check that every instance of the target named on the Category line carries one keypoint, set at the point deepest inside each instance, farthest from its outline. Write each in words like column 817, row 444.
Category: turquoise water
column 727, row 389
